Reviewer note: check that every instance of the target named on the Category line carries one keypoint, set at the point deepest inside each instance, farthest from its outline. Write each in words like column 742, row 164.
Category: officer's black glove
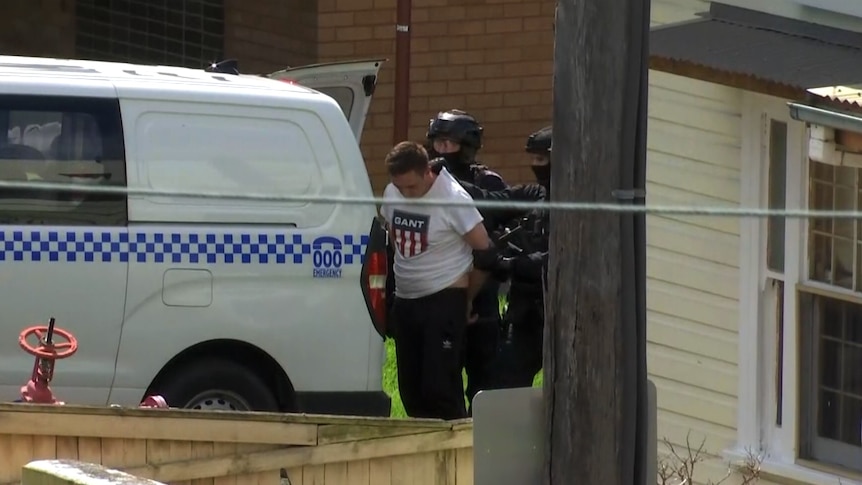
column 529, row 266
column 437, row 164
column 503, row 269
column 486, row 259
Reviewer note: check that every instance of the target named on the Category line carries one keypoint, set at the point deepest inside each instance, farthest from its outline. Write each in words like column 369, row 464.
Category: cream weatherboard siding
column 693, row 262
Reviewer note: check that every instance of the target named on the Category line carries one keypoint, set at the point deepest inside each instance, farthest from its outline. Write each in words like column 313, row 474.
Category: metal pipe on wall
column 401, row 115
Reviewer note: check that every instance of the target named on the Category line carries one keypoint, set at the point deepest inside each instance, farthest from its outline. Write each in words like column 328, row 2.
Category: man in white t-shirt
column 434, row 281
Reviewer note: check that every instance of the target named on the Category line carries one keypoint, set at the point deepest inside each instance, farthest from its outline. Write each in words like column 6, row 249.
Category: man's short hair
column 405, row 157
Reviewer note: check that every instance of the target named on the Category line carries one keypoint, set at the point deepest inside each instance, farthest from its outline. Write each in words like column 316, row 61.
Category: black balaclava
column 543, row 175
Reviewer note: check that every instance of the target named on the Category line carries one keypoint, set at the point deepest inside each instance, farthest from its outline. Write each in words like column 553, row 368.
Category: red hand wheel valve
column 46, row 352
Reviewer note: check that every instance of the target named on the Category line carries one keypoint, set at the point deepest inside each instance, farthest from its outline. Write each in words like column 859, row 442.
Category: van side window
column 62, row 140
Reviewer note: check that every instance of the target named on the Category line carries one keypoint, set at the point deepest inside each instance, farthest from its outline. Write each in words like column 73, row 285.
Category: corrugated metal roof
column 846, row 95
column 764, row 46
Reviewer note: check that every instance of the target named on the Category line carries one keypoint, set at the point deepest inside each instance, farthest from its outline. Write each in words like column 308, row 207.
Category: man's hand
column 471, row 316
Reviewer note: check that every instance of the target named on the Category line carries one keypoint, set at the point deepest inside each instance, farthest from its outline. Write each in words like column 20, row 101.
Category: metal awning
column 758, row 51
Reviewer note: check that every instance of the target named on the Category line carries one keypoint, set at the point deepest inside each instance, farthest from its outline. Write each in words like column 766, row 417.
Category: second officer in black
column 455, row 136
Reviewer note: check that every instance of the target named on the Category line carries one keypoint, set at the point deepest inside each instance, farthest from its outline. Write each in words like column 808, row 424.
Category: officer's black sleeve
column 517, row 193
column 530, row 267
column 491, row 181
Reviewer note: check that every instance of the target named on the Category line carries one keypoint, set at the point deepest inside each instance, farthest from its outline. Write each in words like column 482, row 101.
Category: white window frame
column 756, row 428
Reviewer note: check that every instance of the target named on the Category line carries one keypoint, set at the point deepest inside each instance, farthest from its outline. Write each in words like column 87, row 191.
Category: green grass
column 390, row 374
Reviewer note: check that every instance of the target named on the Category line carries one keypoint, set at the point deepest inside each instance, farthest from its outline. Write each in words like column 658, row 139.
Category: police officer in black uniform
column 523, row 259
column 455, row 137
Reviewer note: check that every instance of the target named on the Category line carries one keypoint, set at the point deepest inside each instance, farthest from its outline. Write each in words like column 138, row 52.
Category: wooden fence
column 231, row 448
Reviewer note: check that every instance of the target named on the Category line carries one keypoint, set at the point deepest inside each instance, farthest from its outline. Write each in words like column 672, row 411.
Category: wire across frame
column 620, row 208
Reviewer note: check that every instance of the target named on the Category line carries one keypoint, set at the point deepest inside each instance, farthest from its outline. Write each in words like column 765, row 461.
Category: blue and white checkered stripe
column 104, row 246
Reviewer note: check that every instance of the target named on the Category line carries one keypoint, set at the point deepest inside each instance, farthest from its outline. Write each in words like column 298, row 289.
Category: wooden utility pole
column 594, row 367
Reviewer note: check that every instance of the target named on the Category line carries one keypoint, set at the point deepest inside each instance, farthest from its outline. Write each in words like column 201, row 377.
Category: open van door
column 351, row 84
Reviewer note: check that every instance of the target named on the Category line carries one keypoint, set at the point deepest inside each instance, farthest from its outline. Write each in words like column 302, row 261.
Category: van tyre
column 217, row 385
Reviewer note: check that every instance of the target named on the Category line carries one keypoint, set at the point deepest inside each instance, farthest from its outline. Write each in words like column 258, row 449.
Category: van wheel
column 217, row 385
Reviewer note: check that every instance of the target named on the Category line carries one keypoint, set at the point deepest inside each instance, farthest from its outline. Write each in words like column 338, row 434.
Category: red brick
column 537, row 82
column 537, row 112
column 467, row 27
column 384, row 32
column 337, row 49
column 375, row 17
column 478, row 12
column 450, row 13
column 484, row 71
column 486, row 41
column 491, row 115
column 505, row 25
column 326, row 6
column 335, row 19
column 383, row 91
column 430, row 29
column 523, row 98
column 456, row 101
column 539, row 24
column 326, row 35
column 422, row 44
column 374, row 48
column 354, row 33
column 493, row 100
column 465, row 57
column 528, row 67
column 522, row 9
column 353, row 5
column 447, row 73
column 419, row 74
column 420, row 104
column 504, row 55
column 429, row 88
column 428, row 59
column 467, row 87
column 503, row 85
column 447, row 43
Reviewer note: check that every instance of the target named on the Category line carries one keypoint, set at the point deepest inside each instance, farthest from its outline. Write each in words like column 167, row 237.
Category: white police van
column 212, row 303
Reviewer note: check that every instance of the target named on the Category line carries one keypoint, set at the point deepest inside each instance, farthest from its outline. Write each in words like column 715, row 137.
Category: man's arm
column 478, row 239
column 469, row 223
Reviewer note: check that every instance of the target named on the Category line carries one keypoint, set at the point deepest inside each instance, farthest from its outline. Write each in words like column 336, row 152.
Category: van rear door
column 351, row 84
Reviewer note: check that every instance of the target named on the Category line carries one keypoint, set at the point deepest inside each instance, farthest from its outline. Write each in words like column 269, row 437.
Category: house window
column 834, row 244
column 188, row 33
column 773, row 294
column 831, row 321
column 777, row 194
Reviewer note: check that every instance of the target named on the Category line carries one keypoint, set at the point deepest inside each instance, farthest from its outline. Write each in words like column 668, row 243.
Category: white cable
column 620, row 208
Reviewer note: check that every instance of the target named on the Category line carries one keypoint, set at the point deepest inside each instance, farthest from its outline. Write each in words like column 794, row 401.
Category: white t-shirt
column 430, row 252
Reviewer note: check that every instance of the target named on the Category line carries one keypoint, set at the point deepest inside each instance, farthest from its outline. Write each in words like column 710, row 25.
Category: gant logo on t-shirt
column 411, row 232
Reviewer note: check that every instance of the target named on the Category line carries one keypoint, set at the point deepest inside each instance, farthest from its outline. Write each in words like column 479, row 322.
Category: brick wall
column 43, row 28
column 267, row 35
column 492, row 58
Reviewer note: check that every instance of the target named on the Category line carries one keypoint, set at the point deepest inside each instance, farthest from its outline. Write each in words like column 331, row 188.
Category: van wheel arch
column 237, row 352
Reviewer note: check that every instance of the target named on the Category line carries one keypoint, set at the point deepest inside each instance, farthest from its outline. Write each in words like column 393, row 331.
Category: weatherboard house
column 755, row 324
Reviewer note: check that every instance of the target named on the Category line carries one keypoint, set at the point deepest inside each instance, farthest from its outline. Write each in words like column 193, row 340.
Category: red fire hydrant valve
column 154, row 402
column 46, row 352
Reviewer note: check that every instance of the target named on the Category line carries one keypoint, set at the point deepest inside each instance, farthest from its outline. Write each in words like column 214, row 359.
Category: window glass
column 75, row 141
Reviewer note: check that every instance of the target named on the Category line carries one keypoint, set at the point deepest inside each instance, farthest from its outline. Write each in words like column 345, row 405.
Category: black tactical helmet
column 459, row 126
column 539, row 143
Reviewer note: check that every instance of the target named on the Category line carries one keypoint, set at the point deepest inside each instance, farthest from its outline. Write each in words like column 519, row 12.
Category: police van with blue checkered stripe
column 256, row 303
